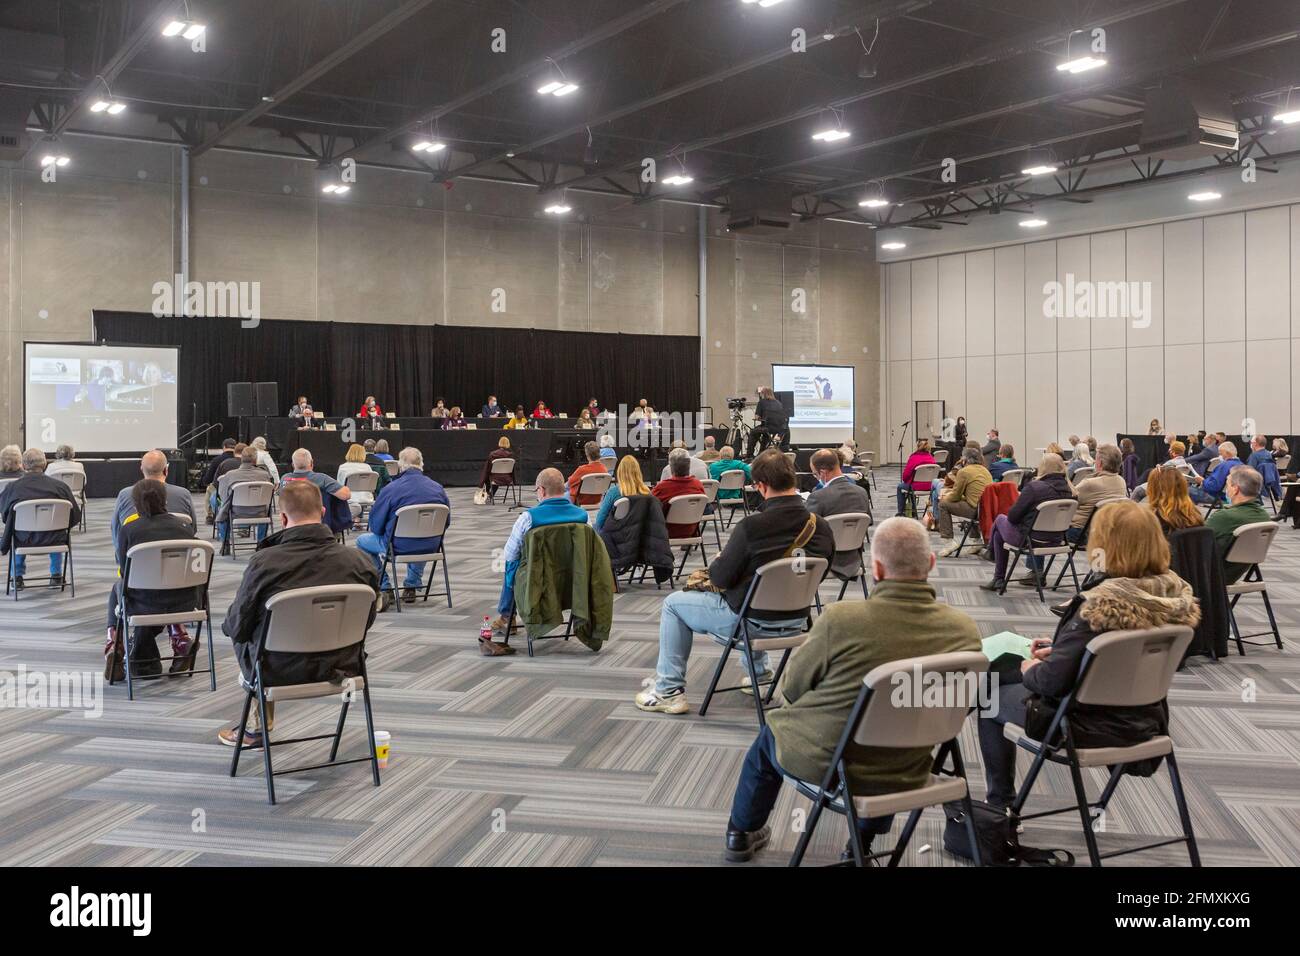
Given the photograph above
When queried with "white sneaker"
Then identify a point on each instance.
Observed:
(746, 685)
(950, 549)
(652, 701)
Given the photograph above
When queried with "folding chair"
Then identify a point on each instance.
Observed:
(967, 525)
(1082, 543)
(1250, 544)
(393, 467)
(1053, 517)
(420, 521)
(713, 517)
(76, 482)
(502, 468)
(875, 721)
(1014, 475)
(940, 455)
(786, 586)
(1283, 464)
(176, 565)
(594, 485)
(687, 509)
(733, 480)
(1087, 471)
(1119, 669)
(363, 482)
(924, 475)
(248, 494)
(850, 530)
(43, 515)
(311, 621)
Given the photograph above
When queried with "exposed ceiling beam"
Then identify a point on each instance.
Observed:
(878, 10)
(986, 56)
(149, 28)
(319, 69)
(602, 33)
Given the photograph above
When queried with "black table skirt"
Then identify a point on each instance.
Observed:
(1151, 451)
(104, 479)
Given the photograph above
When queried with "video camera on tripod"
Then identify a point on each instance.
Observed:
(737, 404)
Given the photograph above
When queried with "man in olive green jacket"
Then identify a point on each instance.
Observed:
(963, 498)
(1243, 488)
(902, 619)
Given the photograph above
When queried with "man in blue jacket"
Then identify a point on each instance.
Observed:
(1261, 459)
(1212, 485)
(1209, 451)
(410, 487)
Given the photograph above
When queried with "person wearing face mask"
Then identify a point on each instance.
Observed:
(370, 409)
(491, 409)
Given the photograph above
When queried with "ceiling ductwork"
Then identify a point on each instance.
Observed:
(1188, 121)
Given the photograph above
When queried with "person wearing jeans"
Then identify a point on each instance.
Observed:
(34, 484)
(782, 526)
(410, 487)
(1013, 527)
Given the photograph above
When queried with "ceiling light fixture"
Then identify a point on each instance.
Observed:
(1205, 196)
(558, 84)
(428, 146)
(875, 203)
(1032, 223)
(559, 209)
(867, 65)
(893, 246)
(678, 179)
(831, 135)
(1042, 169)
(53, 160)
(173, 28)
(762, 3)
(1080, 64)
(1293, 116)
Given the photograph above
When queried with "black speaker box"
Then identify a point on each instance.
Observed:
(239, 400)
(266, 398)
(787, 402)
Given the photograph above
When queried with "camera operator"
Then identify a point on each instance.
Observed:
(770, 423)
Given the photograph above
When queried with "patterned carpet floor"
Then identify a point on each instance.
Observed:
(545, 761)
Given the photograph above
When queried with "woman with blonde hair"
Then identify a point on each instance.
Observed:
(1169, 501)
(354, 463)
(1134, 590)
(628, 482)
(486, 480)
(1082, 458)
(11, 462)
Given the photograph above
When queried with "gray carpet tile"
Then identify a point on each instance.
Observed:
(545, 761)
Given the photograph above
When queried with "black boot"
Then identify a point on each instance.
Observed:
(743, 844)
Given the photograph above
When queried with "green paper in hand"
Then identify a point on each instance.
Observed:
(1006, 642)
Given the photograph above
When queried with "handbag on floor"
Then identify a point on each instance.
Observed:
(998, 842)
(481, 496)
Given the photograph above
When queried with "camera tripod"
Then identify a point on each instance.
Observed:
(738, 434)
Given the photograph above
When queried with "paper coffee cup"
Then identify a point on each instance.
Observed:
(383, 742)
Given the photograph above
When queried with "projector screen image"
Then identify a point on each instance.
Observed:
(823, 400)
(100, 398)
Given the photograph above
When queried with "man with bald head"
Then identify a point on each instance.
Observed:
(247, 471)
(153, 464)
(553, 507)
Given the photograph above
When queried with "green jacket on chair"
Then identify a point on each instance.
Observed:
(565, 567)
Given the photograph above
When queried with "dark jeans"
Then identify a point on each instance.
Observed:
(1000, 753)
(760, 782)
(1073, 535)
(761, 437)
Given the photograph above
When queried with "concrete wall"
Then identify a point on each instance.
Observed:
(400, 249)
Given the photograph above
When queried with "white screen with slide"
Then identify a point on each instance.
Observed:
(823, 401)
(99, 398)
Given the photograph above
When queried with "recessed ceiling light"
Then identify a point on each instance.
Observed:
(874, 203)
(891, 246)
(1205, 196)
(1041, 169)
(559, 209)
(831, 135)
(1080, 64)
(1032, 223)
(1290, 117)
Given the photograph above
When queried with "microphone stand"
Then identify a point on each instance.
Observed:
(902, 440)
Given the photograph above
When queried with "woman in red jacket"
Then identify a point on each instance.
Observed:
(370, 409)
(541, 411)
(919, 457)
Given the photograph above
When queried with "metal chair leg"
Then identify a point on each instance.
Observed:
(243, 728)
(266, 743)
(1180, 799)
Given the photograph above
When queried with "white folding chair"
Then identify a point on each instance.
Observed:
(923, 475)
(786, 587)
(311, 621)
(1081, 474)
(43, 515)
(876, 720)
(687, 509)
(1119, 669)
(420, 521)
(733, 480)
(1283, 464)
(362, 483)
(1250, 544)
(1082, 543)
(180, 564)
(1014, 475)
(940, 455)
(1053, 517)
(392, 466)
(501, 469)
(713, 517)
(249, 494)
(76, 482)
(850, 530)
(594, 485)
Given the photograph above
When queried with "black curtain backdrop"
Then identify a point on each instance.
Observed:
(408, 367)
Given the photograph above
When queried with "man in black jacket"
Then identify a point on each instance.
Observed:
(34, 484)
(303, 555)
(209, 480)
(768, 534)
